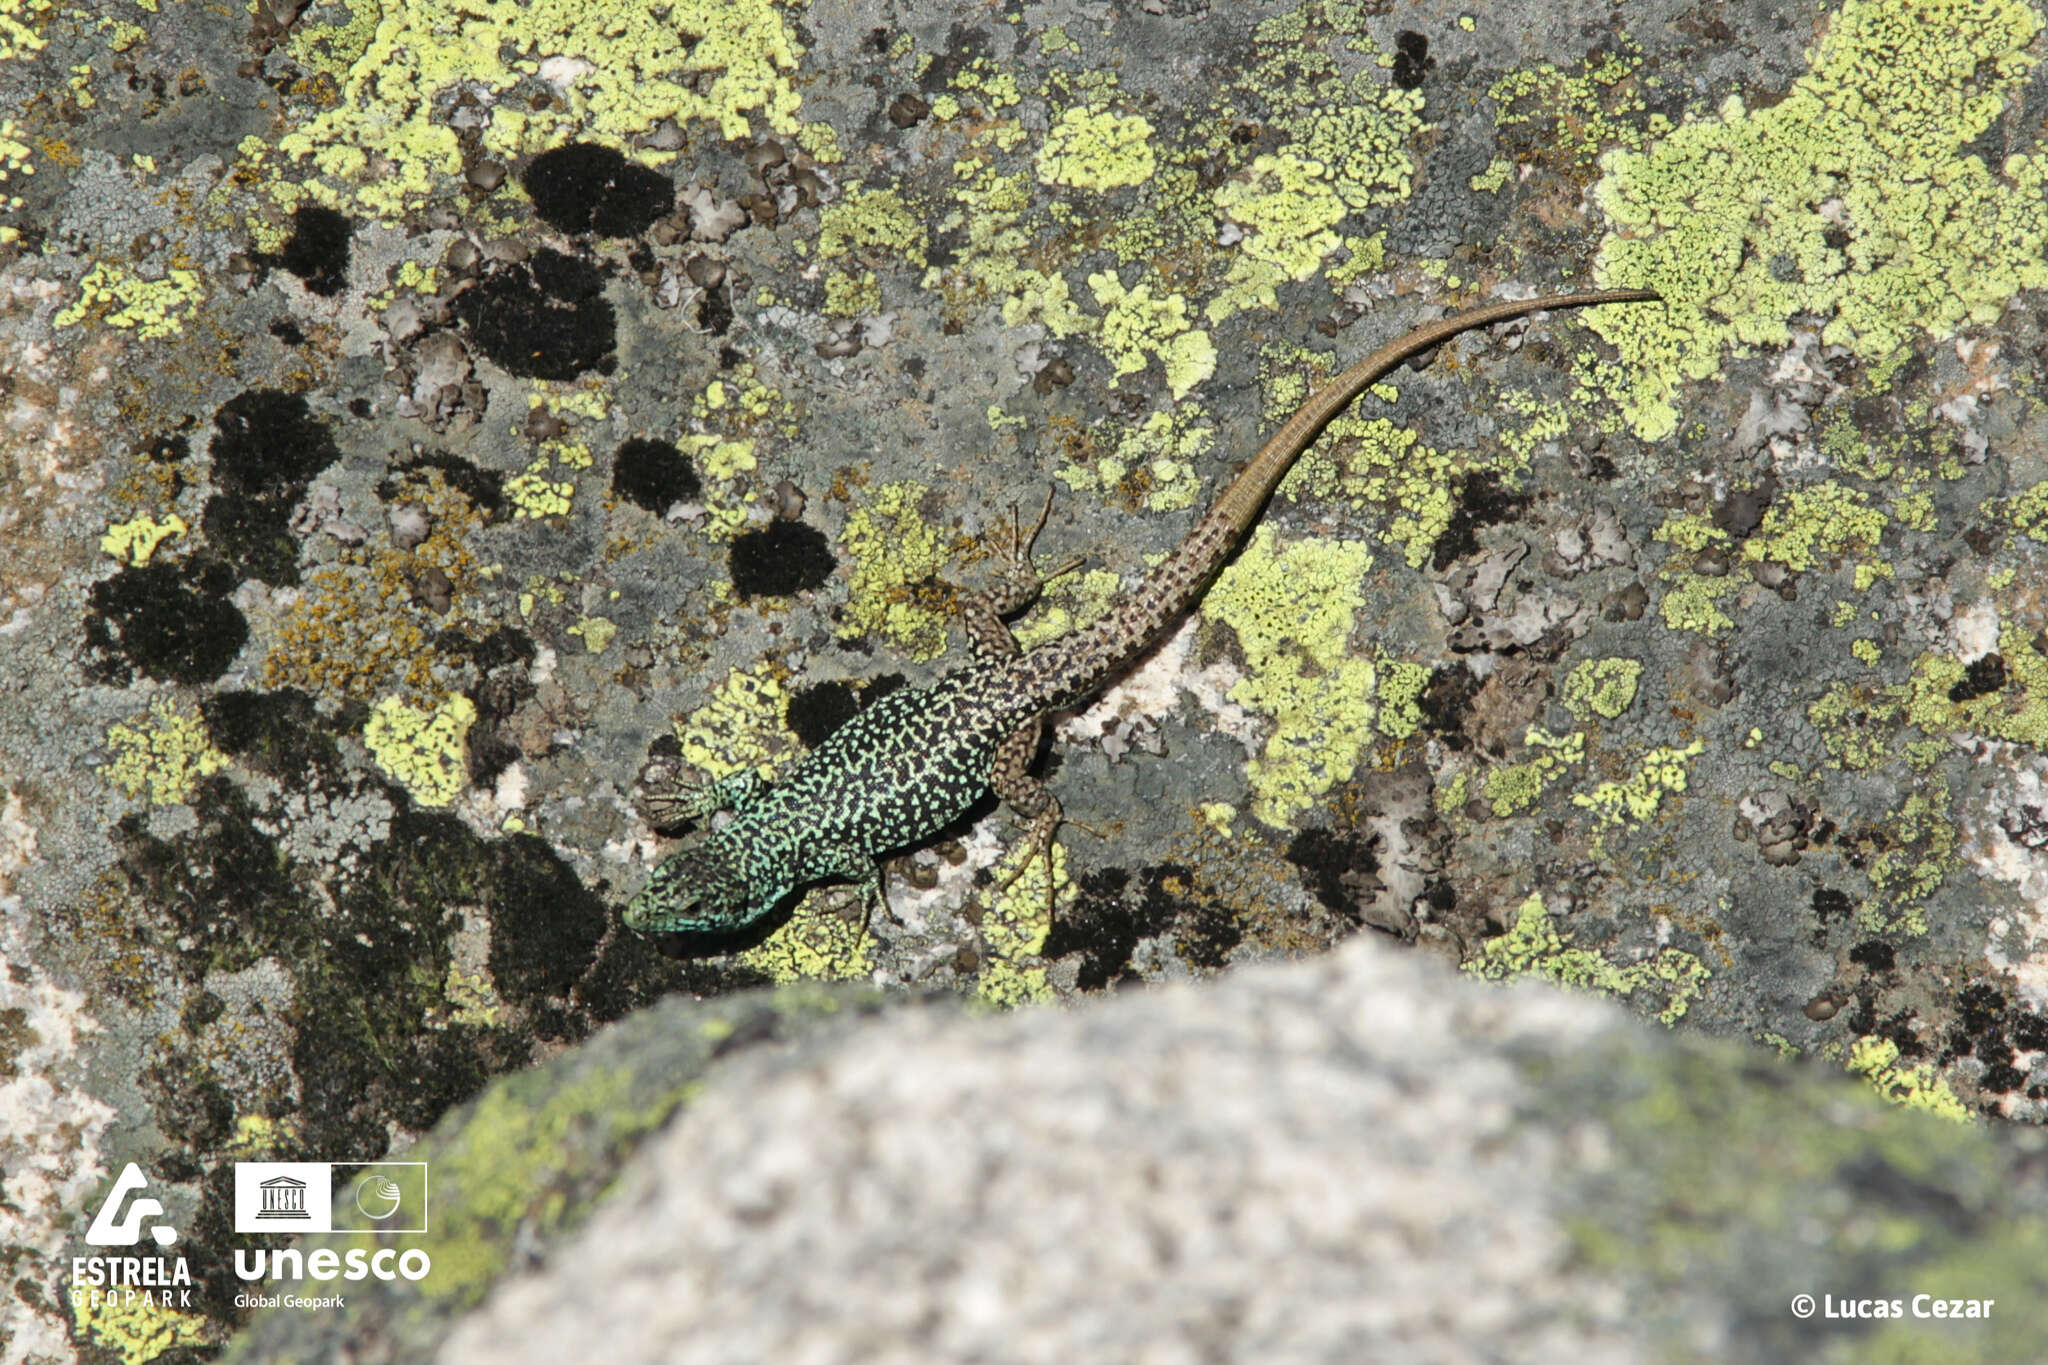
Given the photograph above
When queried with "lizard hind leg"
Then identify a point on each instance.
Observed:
(1012, 780)
(1016, 587)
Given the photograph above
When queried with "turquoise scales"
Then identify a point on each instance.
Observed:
(909, 765)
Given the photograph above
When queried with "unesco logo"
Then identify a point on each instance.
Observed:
(289, 1197)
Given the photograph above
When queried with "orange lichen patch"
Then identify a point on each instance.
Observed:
(362, 627)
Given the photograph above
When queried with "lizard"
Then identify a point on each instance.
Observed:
(906, 766)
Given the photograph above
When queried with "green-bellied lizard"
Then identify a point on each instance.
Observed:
(907, 766)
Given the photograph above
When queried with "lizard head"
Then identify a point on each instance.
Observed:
(699, 890)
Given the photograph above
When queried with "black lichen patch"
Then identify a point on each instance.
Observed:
(584, 187)
(1995, 1031)
(654, 475)
(1111, 916)
(287, 331)
(383, 1032)
(169, 448)
(267, 446)
(1830, 905)
(317, 251)
(1983, 677)
(168, 621)
(542, 319)
(1446, 704)
(1874, 955)
(815, 712)
(280, 734)
(1334, 867)
(780, 560)
(1411, 59)
(485, 488)
(1485, 502)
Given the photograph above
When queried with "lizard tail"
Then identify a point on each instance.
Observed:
(1241, 503)
(1067, 669)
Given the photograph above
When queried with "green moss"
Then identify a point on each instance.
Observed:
(425, 751)
(1292, 611)
(1853, 198)
(1601, 687)
(723, 62)
(1913, 1087)
(1532, 947)
(898, 557)
(1094, 149)
(163, 755)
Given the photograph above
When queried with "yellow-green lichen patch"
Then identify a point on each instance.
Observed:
(1914, 852)
(1153, 463)
(1858, 724)
(1601, 687)
(872, 225)
(897, 557)
(425, 751)
(1014, 926)
(385, 143)
(742, 726)
(1852, 198)
(1582, 112)
(18, 22)
(1637, 798)
(163, 754)
(1914, 1087)
(149, 308)
(1517, 786)
(1136, 327)
(1533, 947)
(2017, 710)
(135, 540)
(1095, 149)
(1385, 465)
(1292, 611)
(1345, 154)
(1401, 685)
(133, 1325)
(1075, 600)
(824, 940)
(358, 628)
(1808, 524)
(1693, 603)
(507, 1161)
(2028, 512)
(850, 296)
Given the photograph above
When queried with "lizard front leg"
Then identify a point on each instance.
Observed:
(673, 794)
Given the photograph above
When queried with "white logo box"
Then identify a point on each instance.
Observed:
(291, 1197)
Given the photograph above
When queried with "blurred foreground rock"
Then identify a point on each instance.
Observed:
(1357, 1158)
